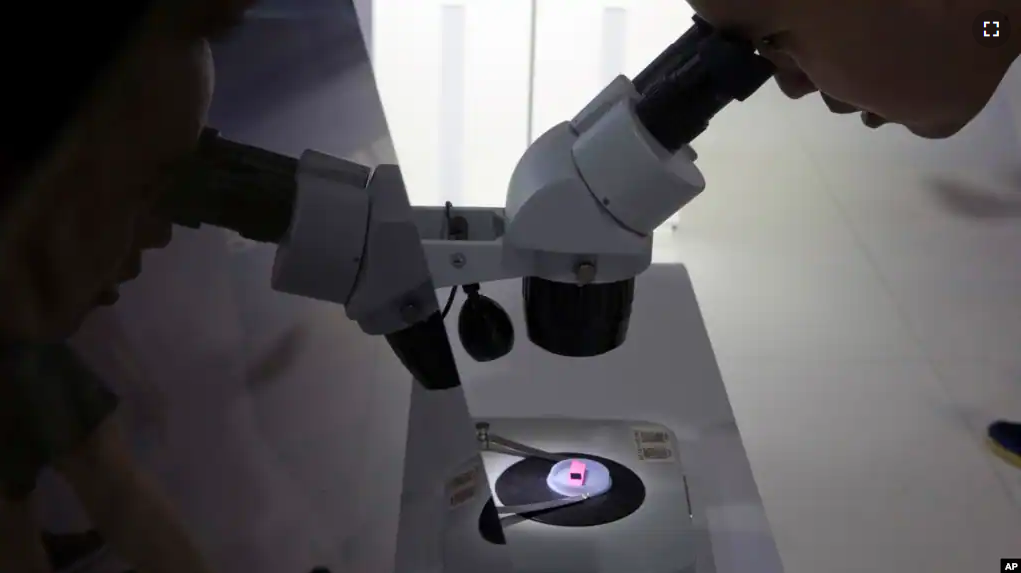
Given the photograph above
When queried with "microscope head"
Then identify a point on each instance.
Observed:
(582, 205)
(586, 197)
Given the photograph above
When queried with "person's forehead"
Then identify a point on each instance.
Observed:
(745, 17)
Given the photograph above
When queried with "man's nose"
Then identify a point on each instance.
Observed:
(794, 83)
(837, 106)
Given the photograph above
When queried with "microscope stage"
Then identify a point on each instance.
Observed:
(640, 523)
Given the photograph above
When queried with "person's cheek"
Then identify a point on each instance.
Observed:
(848, 81)
(186, 94)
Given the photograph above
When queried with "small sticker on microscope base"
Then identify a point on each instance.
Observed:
(654, 444)
(463, 487)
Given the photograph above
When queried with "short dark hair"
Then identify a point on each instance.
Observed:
(53, 55)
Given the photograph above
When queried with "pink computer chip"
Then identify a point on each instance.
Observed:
(576, 474)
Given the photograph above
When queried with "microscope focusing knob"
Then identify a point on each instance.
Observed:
(485, 329)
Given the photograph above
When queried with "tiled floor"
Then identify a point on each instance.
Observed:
(867, 327)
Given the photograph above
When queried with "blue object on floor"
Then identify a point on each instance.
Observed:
(1005, 441)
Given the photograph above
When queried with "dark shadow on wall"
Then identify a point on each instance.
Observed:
(289, 65)
(980, 202)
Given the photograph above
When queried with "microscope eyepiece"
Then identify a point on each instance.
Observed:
(695, 78)
(230, 185)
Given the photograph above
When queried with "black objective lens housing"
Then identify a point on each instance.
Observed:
(577, 321)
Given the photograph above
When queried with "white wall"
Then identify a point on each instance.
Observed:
(581, 45)
(454, 77)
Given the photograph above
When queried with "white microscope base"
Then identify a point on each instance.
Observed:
(666, 373)
(656, 538)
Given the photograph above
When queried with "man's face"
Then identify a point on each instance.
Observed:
(73, 232)
(911, 62)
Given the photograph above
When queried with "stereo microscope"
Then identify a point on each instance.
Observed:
(577, 228)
